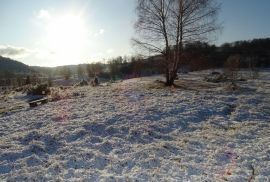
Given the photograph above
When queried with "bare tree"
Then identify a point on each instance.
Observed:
(66, 72)
(253, 70)
(94, 69)
(80, 71)
(114, 67)
(165, 26)
(232, 67)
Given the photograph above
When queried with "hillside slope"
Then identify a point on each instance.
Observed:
(12, 66)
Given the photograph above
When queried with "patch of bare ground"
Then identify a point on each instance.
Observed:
(185, 84)
(4, 110)
(157, 84)
(196, 84)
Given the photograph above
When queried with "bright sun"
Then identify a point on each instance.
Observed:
(66, 36)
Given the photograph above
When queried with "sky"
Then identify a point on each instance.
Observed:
(63, 32)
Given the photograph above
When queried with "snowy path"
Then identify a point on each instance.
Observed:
(125, 132)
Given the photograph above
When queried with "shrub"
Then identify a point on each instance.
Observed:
(55, 95)
(254, 73)
(215, 77)
(232, 67)
(41, 89)
(232, 87)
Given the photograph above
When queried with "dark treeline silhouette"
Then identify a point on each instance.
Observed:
(256, 52)
(197, 56)
(129, 67)
(200, 55)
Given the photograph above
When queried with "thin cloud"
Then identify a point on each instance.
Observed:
(109, 51)
(100, 32)
(44, 14)
(11, 51)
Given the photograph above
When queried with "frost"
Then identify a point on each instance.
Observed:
(128, 132)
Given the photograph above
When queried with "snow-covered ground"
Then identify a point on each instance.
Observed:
(130, 131)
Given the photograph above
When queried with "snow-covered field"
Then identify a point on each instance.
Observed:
(129, 131)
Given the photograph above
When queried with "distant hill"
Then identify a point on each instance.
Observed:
(45, 71)
(13, 67)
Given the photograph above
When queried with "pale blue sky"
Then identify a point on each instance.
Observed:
(244, 19)
(33, 31)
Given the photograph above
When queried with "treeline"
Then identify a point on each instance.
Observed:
(114, 69)
(121, 67)
(197, 56)
(255, 53)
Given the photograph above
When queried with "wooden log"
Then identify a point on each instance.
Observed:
(44, 101)
(36, 102)
(32, 104)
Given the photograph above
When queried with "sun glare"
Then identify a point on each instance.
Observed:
(66, 36)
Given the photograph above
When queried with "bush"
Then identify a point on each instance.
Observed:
(83, 83)
(41, 89)
(254, 73)
(55, 95)
(95, 82)
(215, 77)
(232, 67)
(232, 87)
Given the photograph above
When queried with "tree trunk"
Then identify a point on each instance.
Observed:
(170, 77)
(167, 75)
(170, 82)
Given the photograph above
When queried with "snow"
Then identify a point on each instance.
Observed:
(127, 131)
